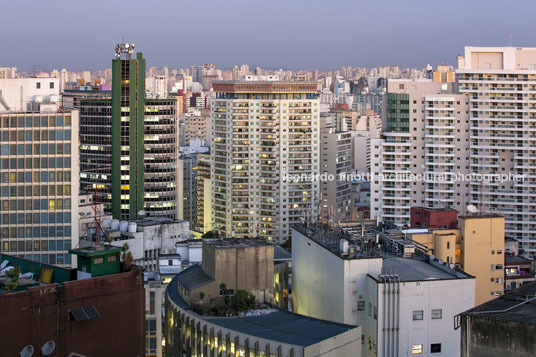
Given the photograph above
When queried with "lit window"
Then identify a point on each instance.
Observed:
(416, 349)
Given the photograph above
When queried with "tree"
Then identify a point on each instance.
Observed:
(243, 300)
(126, 257)
(13, 275)
(201, 295)
(209, 234)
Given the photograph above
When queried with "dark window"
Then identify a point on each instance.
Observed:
(38, 85)
(435, 348)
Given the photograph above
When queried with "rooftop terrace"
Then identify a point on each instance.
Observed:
(277, 325)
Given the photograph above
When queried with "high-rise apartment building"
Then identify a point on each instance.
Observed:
(204, 192)
(39, 185)
(264, 133)
(500, 83)
(187, 188)
(335, 188)
(425, 134)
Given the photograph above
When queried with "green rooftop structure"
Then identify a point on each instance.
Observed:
(98, 260)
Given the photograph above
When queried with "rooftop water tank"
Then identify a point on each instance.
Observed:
(38, 98)
(123, 226)
(107, 223)
(54, 98)
(115, 224)
(132, 227)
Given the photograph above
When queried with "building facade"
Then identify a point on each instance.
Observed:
(39, 185)
(143, 161)
(425, 134)
(499, 83)
(263, 132)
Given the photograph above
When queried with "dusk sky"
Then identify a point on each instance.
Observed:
(307, 34)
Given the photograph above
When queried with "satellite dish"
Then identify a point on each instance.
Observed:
(27, 351)
(472, 209)
(142, 213)
(48, 348)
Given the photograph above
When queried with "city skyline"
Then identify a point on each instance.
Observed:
(309, 35)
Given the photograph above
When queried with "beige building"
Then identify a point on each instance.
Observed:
(196, 126)
(245, 264)
(477, 247)
(264, 153)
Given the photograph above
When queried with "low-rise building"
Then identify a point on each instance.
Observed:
(477, 247)
(409, 307)
(53, 310)
(358, 275)
(147, 238)
(504, 326)
(203, 316)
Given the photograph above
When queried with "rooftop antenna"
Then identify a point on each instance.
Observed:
(510, 39)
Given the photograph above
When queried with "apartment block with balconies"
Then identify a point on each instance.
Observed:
(264, 132)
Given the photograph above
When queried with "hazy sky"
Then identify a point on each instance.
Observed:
(322, 34)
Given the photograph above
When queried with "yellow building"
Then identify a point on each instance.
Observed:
(477, 246)
(444, 74)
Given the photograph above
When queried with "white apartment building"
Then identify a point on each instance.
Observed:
(335, 190)
(21, 94)
(263, 132)
(500, 83)
(425, 133)
(404, 306)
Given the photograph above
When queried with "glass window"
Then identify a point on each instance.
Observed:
(59, 134)
(418, 314)
(416, 349)
(437, 314)
(435, 348)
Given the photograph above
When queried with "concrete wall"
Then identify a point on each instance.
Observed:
(248, 268)
(483, 336)
(326, 286)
